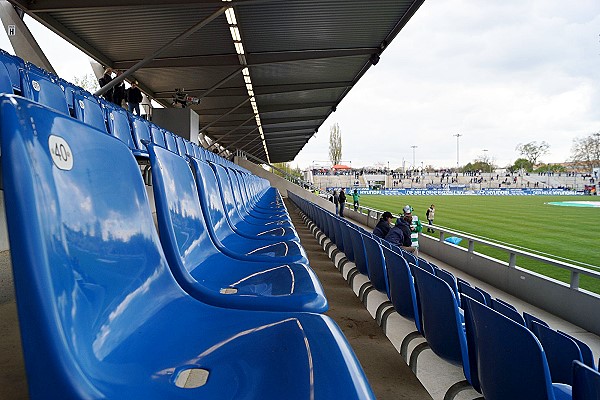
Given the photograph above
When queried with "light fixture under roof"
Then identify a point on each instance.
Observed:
(234, 30)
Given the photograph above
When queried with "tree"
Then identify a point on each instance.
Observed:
(586, 151)
(335, 144)
(88, 82)
(521, 163)
(533, 151)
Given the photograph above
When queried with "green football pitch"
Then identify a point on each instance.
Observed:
(570, 234)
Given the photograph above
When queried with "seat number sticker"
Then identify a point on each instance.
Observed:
(35, 85)
(60, 152)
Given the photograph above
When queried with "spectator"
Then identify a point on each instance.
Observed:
(400, 234)
(342, 198)
(336, 202)
(119, 92)
(133, 95)
(105, 80)
(430, 214)
(384, 225)
(415, 225)
(355, 197)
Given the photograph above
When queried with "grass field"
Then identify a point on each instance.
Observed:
(571, 234)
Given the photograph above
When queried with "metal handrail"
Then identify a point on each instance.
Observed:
(575, 270)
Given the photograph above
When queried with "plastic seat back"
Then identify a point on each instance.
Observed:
(442, 322)
(90, 264)
(402, 289)
(529, 318)
(170, 142)
(376, 264)
(42, 88)
(470, 291)
(586, 352)
(511, 363)
(586, 382)
(560, 351)
(348, 248)
(158, 135)
(449, 279)
(507, 311)
(14, 68)
(358, 247)
(181, 150)
(69, 90)
(5, 80)
(118, 124)
(140, 129)
(87, 109)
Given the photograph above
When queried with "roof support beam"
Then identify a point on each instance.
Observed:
(250, 142)
(266, 89)
(239, 140)
(224, 115)
(221, 82)
(152, 56)
(254, 59)
(217, 140)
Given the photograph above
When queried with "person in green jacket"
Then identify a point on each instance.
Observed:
(355, 197)
(415, 226)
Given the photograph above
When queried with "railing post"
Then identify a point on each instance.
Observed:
(471, 246)
(512, 260)
(574, 280)
(442, 236)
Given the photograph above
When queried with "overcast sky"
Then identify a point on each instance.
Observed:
(499, 72)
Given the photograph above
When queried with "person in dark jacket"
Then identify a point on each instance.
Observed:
(105, 80)
(384, 225)
(119, 92)
(342, 201)
(400, 234)
(133, 95)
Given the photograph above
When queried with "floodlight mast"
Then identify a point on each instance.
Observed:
(458, 135)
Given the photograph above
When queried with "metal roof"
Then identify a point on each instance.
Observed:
(303, 56)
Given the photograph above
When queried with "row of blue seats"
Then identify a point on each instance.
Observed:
(504, 355)
(219, 303)
(43, 87)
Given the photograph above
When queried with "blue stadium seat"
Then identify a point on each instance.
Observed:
(87, 109)
(450, 280)
(511, 363)
(250, 225)
(158, 135)
(118, 124)
(586, 382)
(140, 130)
(358, 247)
(443, 325)
(507, 311)
(560, 351)
(170, 142)
(42, 88)
(586, 352)
(14, 66)
(376, 264)
(5, 79)
(69, 90)
(206, 273)
(529, 318)
(101, 316)
(181, 150)
(470, 291)
(236, 246)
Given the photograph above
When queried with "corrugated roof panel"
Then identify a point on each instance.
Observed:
(314, 24)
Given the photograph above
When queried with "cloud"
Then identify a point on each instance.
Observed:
(505, 73)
